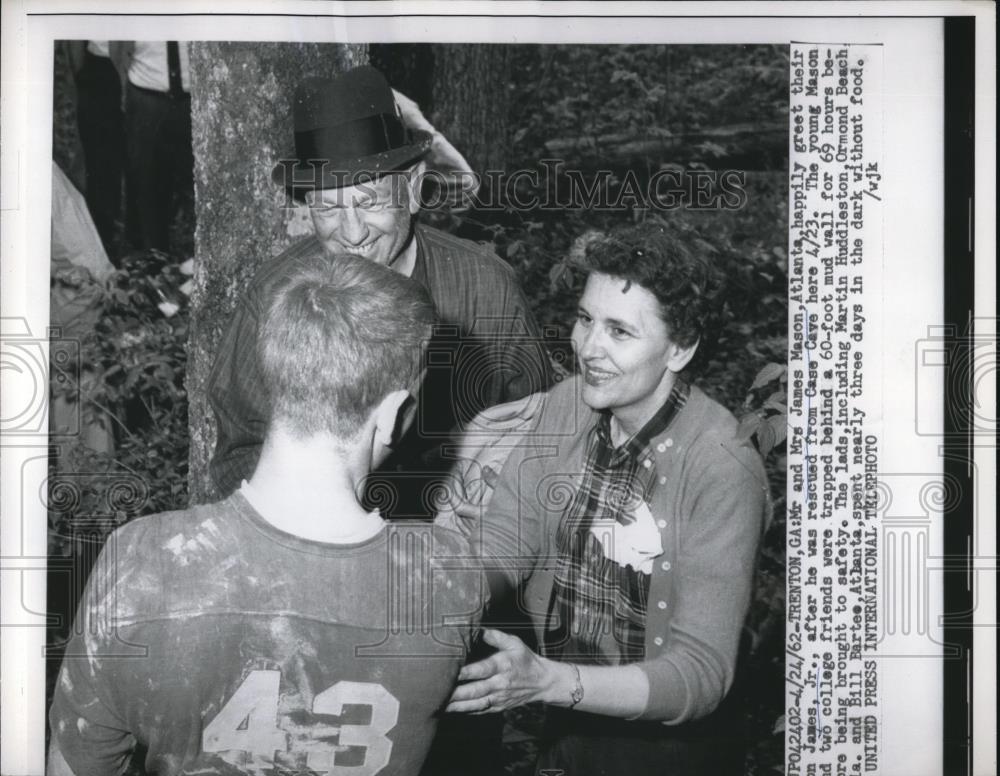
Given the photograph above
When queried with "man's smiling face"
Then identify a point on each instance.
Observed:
(371, 220)
(628, 360)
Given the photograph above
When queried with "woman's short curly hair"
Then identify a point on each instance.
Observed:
(656, 257)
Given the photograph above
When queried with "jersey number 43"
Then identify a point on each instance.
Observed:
(248, 723)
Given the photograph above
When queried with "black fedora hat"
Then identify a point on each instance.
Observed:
(348, 130)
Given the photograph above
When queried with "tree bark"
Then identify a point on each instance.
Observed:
(408, 67)
(464, 89)
(471, 100)
(241, 124)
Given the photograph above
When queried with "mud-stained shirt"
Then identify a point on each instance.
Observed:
(218, 644)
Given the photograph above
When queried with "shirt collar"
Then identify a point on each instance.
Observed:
(656, 425)
(408, 257)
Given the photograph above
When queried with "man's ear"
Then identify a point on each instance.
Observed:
(680, 357)
(390, 417)
(414, 182)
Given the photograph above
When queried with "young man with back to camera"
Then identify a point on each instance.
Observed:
(285, 628)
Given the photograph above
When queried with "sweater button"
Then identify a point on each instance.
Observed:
(661, 604)
(665, 565)
(658, 641)
(663, 480)
(661, 523)
(661, 447)
(669, 443)
(647, 463)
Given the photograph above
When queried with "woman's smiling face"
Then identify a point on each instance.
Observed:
(627, 358)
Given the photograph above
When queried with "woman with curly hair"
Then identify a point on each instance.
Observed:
(628, 520)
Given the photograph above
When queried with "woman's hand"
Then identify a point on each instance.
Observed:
(512, 677)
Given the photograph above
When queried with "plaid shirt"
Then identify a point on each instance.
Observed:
(597, 612)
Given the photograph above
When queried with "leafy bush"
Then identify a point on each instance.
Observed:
(135, 360)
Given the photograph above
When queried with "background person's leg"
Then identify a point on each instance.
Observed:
(102, 134)
(148, 191)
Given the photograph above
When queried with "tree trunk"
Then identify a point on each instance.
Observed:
(408, 67)
(462, 88)
(241, 124)
(471, 100)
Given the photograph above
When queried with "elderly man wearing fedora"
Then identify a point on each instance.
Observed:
(358, 168)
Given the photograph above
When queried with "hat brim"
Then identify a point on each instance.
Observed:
(299, 176)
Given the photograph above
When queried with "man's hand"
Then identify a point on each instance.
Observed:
(411, 114)
(512, 677)
(443, 156)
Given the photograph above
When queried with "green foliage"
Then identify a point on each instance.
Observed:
(768, 423)
(566, 91)
(135, 358)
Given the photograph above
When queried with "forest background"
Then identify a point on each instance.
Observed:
(616, 116)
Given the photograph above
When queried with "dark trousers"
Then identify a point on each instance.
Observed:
(102, 135)
(580, 744)
(160, 163)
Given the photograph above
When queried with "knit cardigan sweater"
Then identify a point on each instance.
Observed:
(711, 505)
